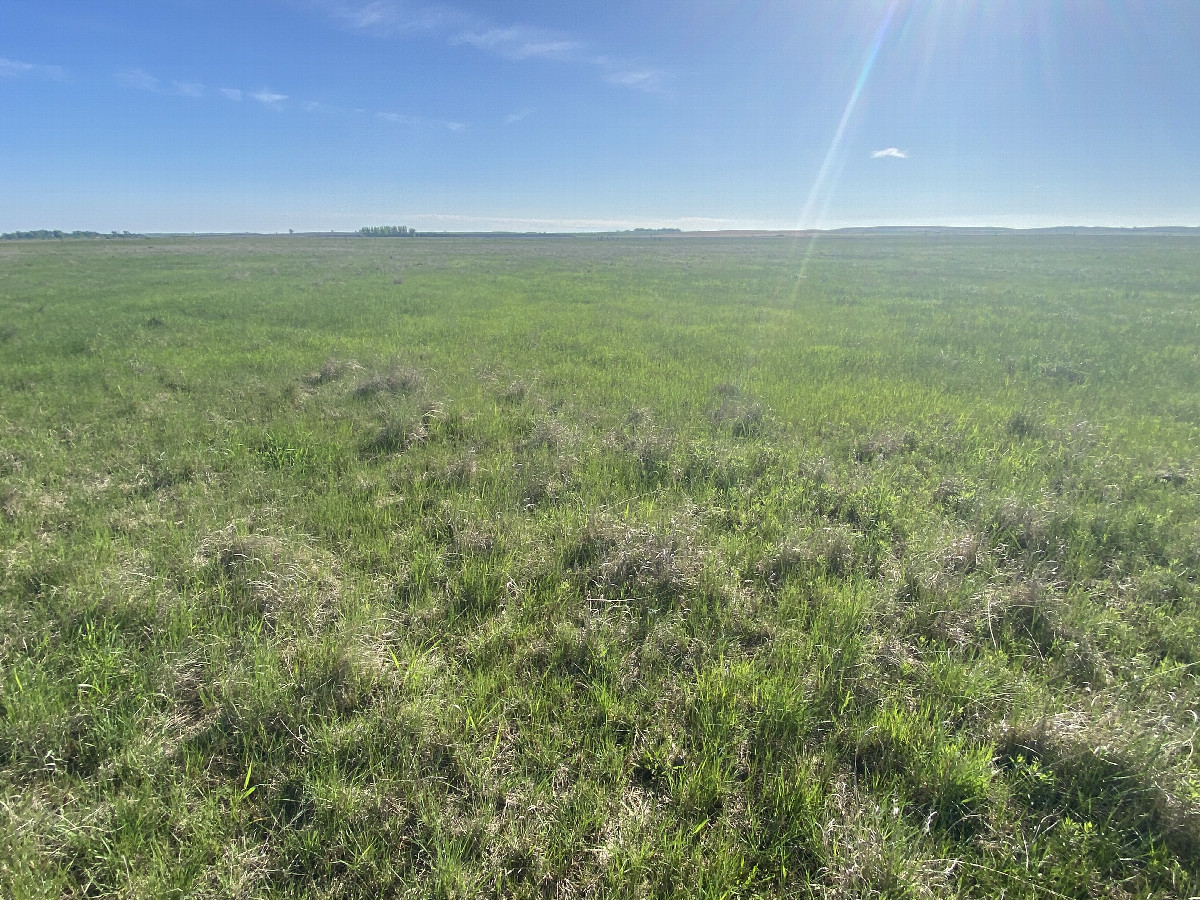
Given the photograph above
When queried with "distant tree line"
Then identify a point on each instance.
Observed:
(656, 231)
(388, 231)
(43, 234)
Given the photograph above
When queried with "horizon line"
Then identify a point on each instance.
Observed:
(637, 231)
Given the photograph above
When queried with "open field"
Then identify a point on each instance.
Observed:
(579, 567)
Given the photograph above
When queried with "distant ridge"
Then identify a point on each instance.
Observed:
(963, 230)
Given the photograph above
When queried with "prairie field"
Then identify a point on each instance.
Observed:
(616, 567)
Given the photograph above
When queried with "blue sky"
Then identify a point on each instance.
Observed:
(264, 115)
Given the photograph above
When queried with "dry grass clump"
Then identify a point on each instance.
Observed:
(622, 561)
(10, 463)
(547, 433)
(403, 380)
(1079, 766)
(544, 486)
(1022, 611)
(1071, 374)
(884, 445)
(835, 550)
(965, 554)
(514, 392)
(432, 423)
(398, 435)
(650, 445)
(929, 581)
(332, 370)
(868, 849)
(285, 582)
(473, 539)
(1020, 529)
(461, 471)
(1023, 425)
(1022, 615)
(443, 424)
(10, 504)
(736, 412)
(1177, 475)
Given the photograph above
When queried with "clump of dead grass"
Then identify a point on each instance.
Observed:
(400, 379)
(867, 849)
(738, 413)
(837, 551)
(514, 392)
(10, 503)
(332, 370)
(625, 561)
(884, 445)
(650, 446)
(548, 433)
(283, 581)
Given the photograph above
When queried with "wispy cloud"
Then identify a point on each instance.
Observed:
(418, 122)
(398, 118)
(15, 68)
(272, 99)
(268, 97)
(889, 151)
(514, 118)
(136, 78)
(144, 81)
(652, 81)
(517, 42)
(387, 17)
(514, 42)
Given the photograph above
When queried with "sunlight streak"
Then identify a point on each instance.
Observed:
(819, 192)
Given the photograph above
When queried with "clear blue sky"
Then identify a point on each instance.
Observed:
(264, 115)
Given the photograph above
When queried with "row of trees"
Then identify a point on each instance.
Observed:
(43, 234)
(388, 231)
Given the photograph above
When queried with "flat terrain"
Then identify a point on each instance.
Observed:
(699, 567)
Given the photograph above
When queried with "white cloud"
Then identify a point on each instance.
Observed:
(513, 118)
(512, 42)
(387, 17)
(233, 94)
(518, 42)
(397, 118)
(268, 97)
(136, 78)
(144, 81)
(890, 151)
(648, 80)
(11, 68)
(188, 88)
(14, 68)
(417, 121)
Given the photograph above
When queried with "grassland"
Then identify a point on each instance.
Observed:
(580, 567)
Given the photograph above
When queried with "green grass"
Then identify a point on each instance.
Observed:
(646, 567)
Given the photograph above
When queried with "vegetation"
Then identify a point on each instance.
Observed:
(43, 234)
(387, 231)
(694, 567)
